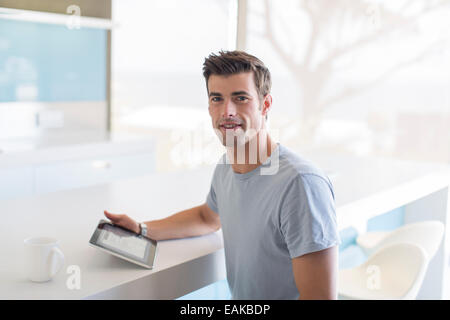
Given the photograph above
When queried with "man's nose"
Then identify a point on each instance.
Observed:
(229, 109)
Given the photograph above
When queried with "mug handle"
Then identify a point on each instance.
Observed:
(56, 261)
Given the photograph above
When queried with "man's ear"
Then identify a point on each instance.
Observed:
(267, 104)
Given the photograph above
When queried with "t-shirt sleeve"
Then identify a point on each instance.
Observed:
(211, 199)
(308, 215)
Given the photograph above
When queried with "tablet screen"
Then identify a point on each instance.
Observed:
(124, 243)
(119, 240)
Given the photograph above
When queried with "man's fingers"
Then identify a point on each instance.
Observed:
(111, 216)
(122, 220)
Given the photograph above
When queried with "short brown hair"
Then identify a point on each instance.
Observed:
(233, 62)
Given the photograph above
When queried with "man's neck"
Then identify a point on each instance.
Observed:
(264, 148)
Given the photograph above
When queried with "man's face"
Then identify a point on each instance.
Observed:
(235, 107)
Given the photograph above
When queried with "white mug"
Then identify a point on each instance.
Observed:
(43, 258)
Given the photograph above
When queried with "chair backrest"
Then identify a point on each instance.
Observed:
(427, 234)
(401, 267)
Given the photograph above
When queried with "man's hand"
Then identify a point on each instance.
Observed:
(123, 220)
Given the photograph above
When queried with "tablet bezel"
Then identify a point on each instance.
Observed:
(149, 264)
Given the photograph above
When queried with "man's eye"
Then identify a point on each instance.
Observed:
(242, 98)
(215, 99)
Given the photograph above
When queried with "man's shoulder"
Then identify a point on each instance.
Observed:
(303, 175)
(297, 166)
(292, 166)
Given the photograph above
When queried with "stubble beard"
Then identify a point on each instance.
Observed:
(241, 142)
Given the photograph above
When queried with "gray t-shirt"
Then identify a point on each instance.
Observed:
(268, 218)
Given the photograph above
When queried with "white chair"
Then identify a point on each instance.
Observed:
(393, 272)
(427, 234)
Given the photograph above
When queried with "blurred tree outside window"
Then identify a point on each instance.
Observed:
(359, 77)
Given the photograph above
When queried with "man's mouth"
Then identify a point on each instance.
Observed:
(230, 126)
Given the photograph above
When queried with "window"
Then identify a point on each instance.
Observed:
(158, 49)
(365, 78)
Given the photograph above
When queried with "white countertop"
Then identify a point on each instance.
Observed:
(71, 216)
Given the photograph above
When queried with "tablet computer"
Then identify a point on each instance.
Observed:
(124, 244)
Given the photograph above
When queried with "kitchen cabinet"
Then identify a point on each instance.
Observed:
(41, 169)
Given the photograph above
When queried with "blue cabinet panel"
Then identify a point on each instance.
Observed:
(49, 62)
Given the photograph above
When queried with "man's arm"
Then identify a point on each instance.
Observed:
(192, 222)
(316, 274)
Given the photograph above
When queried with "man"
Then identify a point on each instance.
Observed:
(279, 226)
